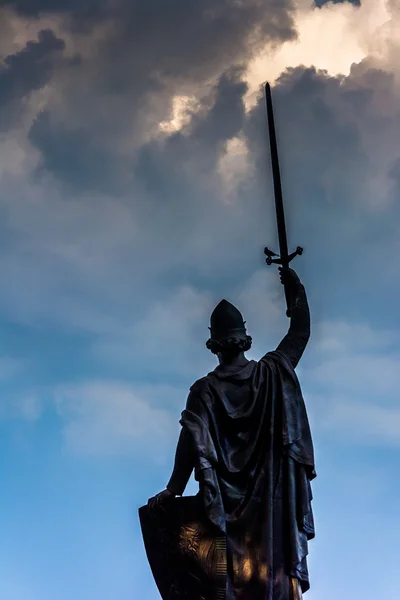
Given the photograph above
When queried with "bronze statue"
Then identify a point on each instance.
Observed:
(246, 435)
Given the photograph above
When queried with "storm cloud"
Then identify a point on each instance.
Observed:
(26, 71)
(339, 162)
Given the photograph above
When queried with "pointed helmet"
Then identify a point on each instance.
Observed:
(227, 322)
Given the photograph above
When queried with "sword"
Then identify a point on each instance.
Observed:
(284, 258)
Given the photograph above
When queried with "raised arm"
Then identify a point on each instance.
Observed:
(295, 341)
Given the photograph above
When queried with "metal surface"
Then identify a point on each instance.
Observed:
(284, 258)
(186, 554)
(296, 590)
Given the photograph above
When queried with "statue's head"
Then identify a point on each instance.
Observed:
(228, 331)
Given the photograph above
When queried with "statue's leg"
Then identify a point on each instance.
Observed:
(296, 590)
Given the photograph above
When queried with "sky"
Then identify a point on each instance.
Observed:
(135, 193)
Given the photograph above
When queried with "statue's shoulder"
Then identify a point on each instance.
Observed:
(199, 392)
(271, 358)
(201, 385)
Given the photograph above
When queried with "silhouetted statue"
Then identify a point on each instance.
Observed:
(245, 432)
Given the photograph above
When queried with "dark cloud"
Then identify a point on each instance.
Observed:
(328, 174)
(334, 141)
(188, 24)
(159, 164)
(72, 157)
(394, 174)
(167, 218)
(75, 159)
(315, 132)
(226, 117)
(35, 8)
(153, 51)
(328, 168)
(185, 33)
(27, 71)
(320, 3)
(180, 33)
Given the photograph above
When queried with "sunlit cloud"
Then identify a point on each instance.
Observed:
(331, 38)
(182, 109)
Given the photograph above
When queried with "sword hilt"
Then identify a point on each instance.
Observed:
(281, 261)
(285, 263)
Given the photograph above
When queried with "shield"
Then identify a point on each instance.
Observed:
(186, 553)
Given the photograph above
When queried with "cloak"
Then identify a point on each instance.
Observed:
(254, 461)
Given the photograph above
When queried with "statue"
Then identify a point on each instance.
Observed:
(245, 433)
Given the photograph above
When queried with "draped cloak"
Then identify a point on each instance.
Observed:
(254, 461)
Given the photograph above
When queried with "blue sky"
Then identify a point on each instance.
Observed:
(136, 193)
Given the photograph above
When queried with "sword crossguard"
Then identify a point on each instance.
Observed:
(278, 261)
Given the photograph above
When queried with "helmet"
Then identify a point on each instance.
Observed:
(227, 322)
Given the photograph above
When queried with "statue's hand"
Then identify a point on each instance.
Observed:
(288, 277)
(160, 499)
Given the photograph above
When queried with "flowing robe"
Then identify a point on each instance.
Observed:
(245, 432)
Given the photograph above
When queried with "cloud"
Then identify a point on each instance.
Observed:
(99, 105)
(352, 382)
(349, 378)
(18, 400)
(26, 71)
(25, 405)
(365, 424)
(167, 341)
(108, 417)
(115, 237)
(9, 367)
(321, 3)
(103, 418)
(94, 261)
(76, 160)
(79, 159)
(37, 8)
(341, 337)
(29, 406)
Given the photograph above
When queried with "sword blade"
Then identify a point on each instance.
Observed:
(280, 214)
